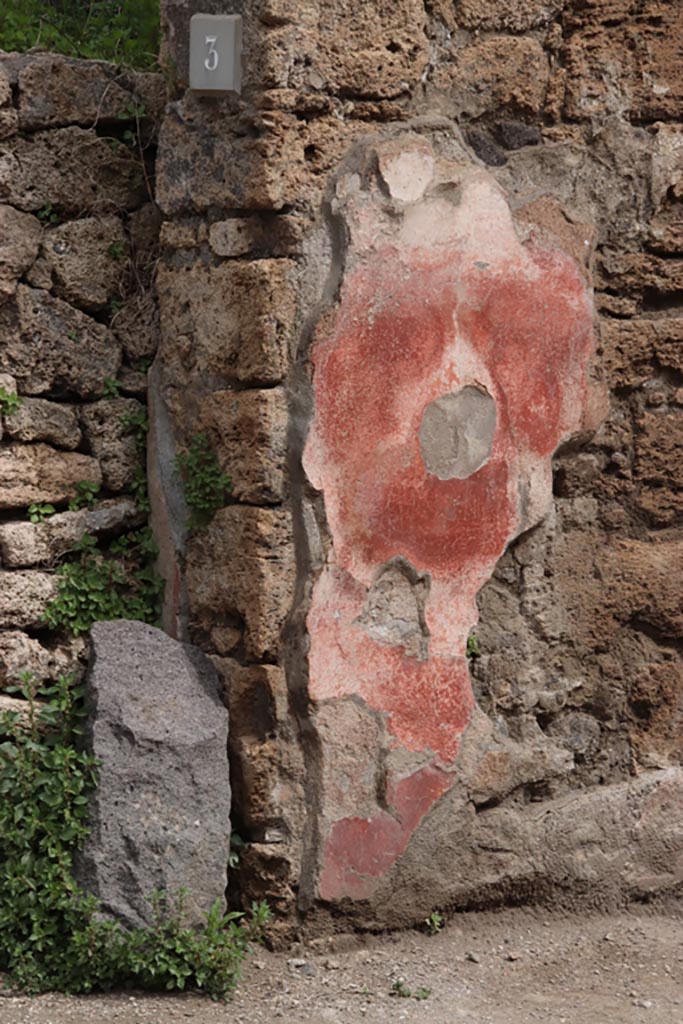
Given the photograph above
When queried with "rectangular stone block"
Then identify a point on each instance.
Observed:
(210, 157)
(231, 322)
(243, 563)
(248, 430)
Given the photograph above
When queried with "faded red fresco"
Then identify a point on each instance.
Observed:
(416, 322)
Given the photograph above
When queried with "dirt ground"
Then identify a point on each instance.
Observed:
(511, 967)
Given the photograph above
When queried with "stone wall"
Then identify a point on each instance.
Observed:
(78, 326)
(319, 290)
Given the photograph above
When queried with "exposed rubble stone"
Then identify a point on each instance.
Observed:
(87, 259)
(49, 346)
(24, 597)
(110, 429)
(71, 169)
(54, 91)
(38, 473)
(19, 243)
(39, 420)
(21, 653)
(28, 544)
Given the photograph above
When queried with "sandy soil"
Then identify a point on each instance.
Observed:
(512, 967)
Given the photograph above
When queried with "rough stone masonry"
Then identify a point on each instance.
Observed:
(421, 284)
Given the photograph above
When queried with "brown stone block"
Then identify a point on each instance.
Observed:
(243, 564)
(267, 764)
(658, 465)
(633, 66)
(73, 169)
(38, 420)
(36, 472)
(630, 346)
(210, 157)
(506, 15)
(248, 430)
(234, 321)
(113, 439)
(652, 277)
(49, 346)
(493, 73)
(55, 90)
(641, 581)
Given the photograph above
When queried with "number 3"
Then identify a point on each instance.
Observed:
(211, 61)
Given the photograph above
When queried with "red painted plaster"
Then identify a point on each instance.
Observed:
(412, 325)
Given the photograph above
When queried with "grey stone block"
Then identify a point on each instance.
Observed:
(160, 816)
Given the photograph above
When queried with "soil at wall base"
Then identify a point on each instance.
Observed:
(511, 967)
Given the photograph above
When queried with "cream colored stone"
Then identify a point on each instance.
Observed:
(36, 472)
(26, 544)
(39, 420)
(24, 597)
(21, 653)
(406, 166)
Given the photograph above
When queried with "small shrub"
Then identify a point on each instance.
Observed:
(97, 587)
(51, 934)
(206, 485)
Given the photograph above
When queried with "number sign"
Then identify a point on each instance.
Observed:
(215, 53)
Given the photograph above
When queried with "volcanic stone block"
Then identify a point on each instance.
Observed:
(161, 813)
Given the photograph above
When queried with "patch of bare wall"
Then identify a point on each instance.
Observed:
(565, 782)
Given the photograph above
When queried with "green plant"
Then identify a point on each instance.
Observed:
(138, 424)
(400, 989)
(206, 485)
(48, 214)
(39, 511)
(115, 251)
(435, 922)
(10, 402)
(123, 31)
(72, 334)
(111, 388)
(51, 933)
(472, 649)
(85, 496)
(140, 491)
(96, 586)
(236, 844)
